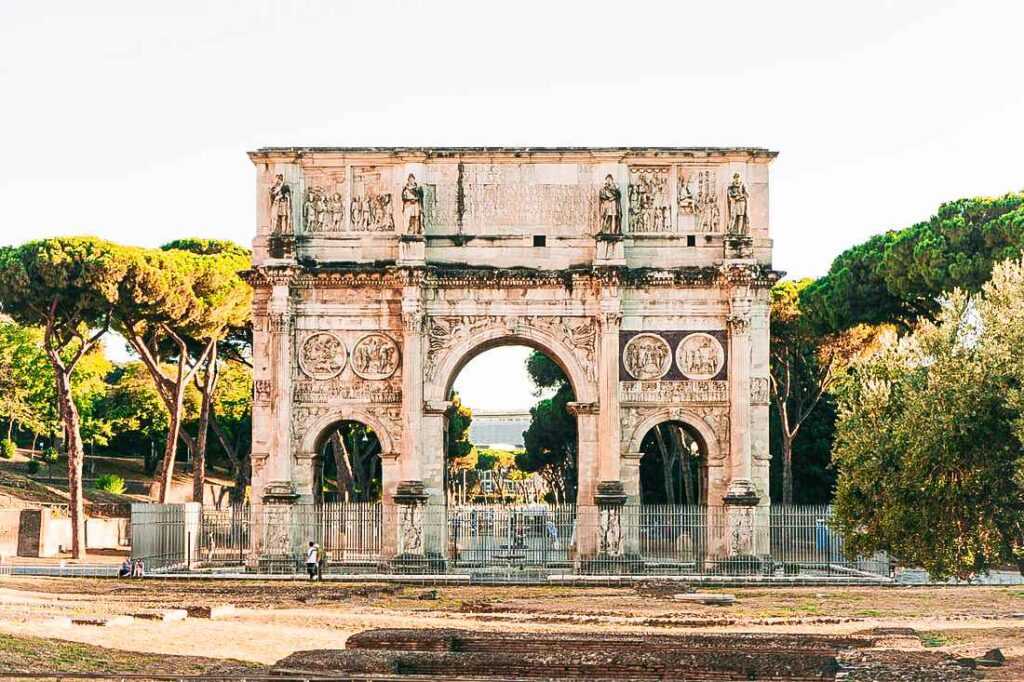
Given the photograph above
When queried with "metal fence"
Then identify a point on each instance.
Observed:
(161, 536)
(502, 542)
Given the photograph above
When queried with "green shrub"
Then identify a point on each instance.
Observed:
(7, 449)
(110, 483)
(50, 455)
(34, 465)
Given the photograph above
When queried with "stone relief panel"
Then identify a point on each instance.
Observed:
(700, 356)
(579, 334)
(371, 208)
(759, 391)
(322, 355)
(323, 205)
(261, 390)
(692, 356)
(375, 357)
(647, 357)
(649, 202)
(706, 206)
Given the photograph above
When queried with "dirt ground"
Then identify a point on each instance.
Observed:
(274, 619)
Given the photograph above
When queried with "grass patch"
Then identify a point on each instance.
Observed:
(933, 639)
(36, 654)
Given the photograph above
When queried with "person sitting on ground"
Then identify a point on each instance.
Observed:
(311, 560)
(126, 568)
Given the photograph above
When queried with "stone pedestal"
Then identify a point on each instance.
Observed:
(416, 551)
(612, 557)
(610, 250)
(739, 246)
(412, 250)
(741, 504)
(282, 245)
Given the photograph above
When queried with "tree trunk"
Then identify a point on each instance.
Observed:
(680, 445)
(76, 456)
(10, 429)
(787, 469)
(199, 462)
(342, 466)
(667, 460)
(166, 476)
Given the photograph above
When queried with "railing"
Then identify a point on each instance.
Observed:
(496, 540)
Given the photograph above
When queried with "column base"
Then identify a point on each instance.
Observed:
(739, 246)
(741, 493)
(279, 492)
(410, 497)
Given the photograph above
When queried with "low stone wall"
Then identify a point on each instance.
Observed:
(38, 533)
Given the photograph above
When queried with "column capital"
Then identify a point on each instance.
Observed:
(581, 409)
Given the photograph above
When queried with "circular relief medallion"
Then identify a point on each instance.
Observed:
(375, 356)
(700, 356)
(323, 355)
(647, 357)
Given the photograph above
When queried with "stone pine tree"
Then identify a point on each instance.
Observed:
(227, 301)
(69, 287)
(189, 301)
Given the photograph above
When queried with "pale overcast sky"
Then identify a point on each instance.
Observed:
(130, 120)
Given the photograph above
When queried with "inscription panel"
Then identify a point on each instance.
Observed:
(478, 198)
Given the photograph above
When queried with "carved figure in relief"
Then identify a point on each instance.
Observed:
(412, 205)
(648, 200)
(708, 212)
(375, 357)
(372, 213)
(684, 197)
(739, 223)
(647, 357)
(323, 355)
(336, 209)
(700, 356)
(611, 215)
(280, 206)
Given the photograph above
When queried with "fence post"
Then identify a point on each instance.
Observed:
(192, 516)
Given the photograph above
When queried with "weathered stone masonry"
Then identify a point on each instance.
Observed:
(644, 273)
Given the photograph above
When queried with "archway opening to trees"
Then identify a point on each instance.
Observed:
(674, 465)
(510, 437)
(347, 467)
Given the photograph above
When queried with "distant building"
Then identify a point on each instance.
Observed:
(499, 429)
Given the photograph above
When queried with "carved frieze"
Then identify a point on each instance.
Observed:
(578, 333)
(322, 355)
(649, 205)
(668, 392)
(700, 356)
(345, 389)
(647, 357)
(375, 357)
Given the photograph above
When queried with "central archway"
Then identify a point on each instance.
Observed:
(580, 376)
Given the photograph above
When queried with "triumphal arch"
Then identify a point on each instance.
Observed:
(643, 272)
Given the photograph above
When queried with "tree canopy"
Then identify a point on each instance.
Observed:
(930, 438)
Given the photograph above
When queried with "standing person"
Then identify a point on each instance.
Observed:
(311, 561)
(321, 562)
